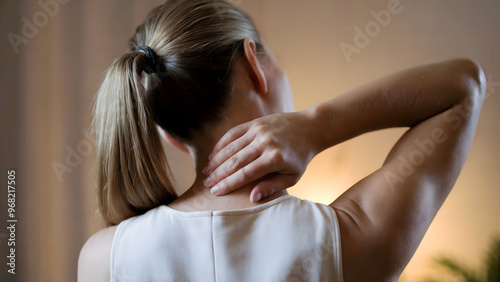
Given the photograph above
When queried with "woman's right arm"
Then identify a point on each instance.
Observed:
(383, 217)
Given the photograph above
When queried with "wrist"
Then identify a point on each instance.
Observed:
(313, 129)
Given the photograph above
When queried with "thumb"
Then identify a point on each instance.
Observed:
(271, 186)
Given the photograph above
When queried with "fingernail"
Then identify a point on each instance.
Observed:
(215, 189)
(257, 197)
(205, 170)
(207, 181)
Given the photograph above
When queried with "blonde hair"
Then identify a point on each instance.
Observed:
(195, 42)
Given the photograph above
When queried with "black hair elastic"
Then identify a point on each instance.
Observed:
(151, 67)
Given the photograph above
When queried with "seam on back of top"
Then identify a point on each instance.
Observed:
(213, 243)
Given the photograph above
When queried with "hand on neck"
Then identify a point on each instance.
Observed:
(198, 196)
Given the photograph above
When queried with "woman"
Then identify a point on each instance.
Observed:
(198, 75)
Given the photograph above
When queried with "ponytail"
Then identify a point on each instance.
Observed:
(133, 173)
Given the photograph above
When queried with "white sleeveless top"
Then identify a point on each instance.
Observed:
(285, 239)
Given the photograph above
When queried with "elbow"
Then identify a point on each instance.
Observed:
(472, 78)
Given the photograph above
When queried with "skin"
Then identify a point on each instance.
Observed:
(264, 147)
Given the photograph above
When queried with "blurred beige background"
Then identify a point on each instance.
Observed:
(53, 57)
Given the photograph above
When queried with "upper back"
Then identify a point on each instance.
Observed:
(286, 239)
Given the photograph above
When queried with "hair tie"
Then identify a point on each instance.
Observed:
(151, 66)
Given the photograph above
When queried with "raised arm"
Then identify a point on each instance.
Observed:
(384, 217)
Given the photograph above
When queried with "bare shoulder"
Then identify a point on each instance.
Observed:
(93, 263)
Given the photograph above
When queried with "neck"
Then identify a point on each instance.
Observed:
(198, 196)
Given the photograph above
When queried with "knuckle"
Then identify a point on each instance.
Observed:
(214, 163)
(259, 123)
(231, 148)
(214, 176)
(244, 175)
(231, 133)
(260, 146)
(267, 139)
(261, 127)
(218, 145)
(276, 157)
(234, 162)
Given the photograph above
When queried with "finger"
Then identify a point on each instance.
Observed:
(232, 134)
(271, 186)
(227, 152)
(253, 171)
(233, 164)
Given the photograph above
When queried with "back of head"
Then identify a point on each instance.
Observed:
(194, 44)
